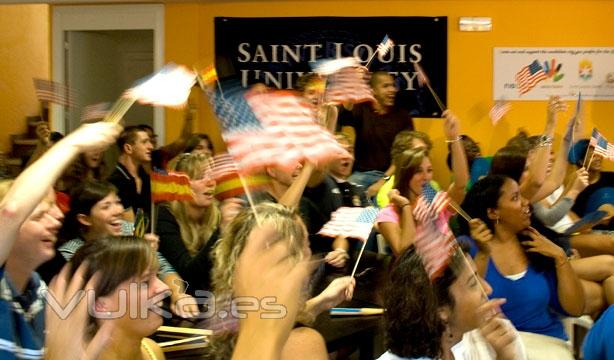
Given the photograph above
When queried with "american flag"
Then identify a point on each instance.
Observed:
(54, 92)
(348, 85)
(498, 111)
(330, 66)
(601, 144)
(385, 46)
(222, 165)
(245, 137)
(431, 207)
(434, 247)
(293, 131)
(170, 87)
(95, 112)
(529, 76)
(351, 222)
(272, 128)
(434, 240)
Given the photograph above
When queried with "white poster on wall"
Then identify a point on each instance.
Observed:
(536, 73)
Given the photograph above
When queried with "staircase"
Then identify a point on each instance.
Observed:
(22, 147)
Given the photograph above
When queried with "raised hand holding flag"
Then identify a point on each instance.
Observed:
(351, 222)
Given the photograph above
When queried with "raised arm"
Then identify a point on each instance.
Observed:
(541, 154)
(460, 168)
(35, 181)
(293, 195)
(559, 169)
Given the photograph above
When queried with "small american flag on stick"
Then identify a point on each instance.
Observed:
(435, 248)
(434, 240)
(601, 144)
(499, 110)
(385, 46)
(54, 92)
(348, 85)
(351, 222)
(95, 112)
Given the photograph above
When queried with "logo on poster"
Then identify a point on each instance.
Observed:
(553, 70)
(585, 69)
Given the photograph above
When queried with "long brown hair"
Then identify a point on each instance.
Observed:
(408, 163)
(116, 259)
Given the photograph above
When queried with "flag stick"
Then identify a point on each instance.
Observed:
(459, 249)
(586, 155)
(362, 249)
(371, 58)
(249, 199)
(153, 217)
(590, 161)
(459, 210)
(442, 107)
(119, 109)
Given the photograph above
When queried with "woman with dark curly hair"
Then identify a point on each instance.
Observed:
(523, 266)
(449, 318)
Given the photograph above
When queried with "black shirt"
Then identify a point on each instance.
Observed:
(374, 134)
(126, 187)
(195, 270)
(318, 203)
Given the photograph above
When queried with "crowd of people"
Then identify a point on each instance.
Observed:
(70, 220)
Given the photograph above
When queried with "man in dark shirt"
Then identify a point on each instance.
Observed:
(129, 176)
(323, 196)
(376, 124)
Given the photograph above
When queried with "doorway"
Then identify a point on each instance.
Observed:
(100, 65)
(99, 51)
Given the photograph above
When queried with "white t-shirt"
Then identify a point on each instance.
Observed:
(473, 346)
(566, 222)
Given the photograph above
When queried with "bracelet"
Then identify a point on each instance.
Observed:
(404, 205)
(544, 141)
(458, 138)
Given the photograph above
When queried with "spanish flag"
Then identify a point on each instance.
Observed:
(170, 187)
(208, 75)
(230, 185)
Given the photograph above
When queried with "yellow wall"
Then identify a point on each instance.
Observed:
(190, 33)
(24, 54)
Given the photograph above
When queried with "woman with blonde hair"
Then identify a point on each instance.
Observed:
(189, 229)
(303, 342)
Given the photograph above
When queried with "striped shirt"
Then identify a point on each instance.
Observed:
(22, 317)
(69, 249)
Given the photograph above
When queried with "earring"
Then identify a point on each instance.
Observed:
(497, 220)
